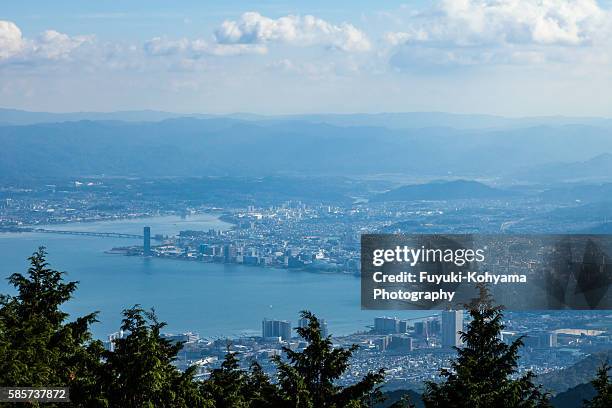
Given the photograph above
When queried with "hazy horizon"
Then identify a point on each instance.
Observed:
(531, 58)
(298, 114)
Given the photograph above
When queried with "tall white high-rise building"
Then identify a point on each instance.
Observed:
(276, 328)
(146, 247)
(452, 323)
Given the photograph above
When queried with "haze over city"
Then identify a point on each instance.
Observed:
(514, 57)
(232, 165)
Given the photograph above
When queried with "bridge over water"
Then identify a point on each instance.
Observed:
(85, 233)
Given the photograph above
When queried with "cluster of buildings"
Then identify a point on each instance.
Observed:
(411, 351)
(66, 202)
(327, 238)
(442, 331)
(299, 235)
(292, 235)
(280, 330)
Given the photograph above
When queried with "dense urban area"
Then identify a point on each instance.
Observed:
(323, 236)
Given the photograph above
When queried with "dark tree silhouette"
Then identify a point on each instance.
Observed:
(38, 348)
(260, 392)
(230, 386)
(308, 378)
(139, 372)
(484, 373)
(226, 385)
(603, 386)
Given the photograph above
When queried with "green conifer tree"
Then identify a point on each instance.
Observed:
(139, 372)
(260, 391)
(308, 378)
(226, 385)
(603, 386)
(38, 347)
(484, 374)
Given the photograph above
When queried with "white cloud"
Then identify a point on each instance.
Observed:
(311, 70)
(523, 32)
(398, 38)
(253, 28)
(48, 45)
(466, 23)
(200, 46)
(11, 41)
(52, 44)
(160, 46)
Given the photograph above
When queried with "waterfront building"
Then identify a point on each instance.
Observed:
(452, 323)
(386, 325)
(146, 246)
(276, 328)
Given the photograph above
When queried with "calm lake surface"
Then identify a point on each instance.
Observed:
(211, 299)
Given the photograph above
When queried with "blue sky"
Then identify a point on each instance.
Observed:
(508, 57)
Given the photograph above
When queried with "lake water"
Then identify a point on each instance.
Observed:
(211, 299)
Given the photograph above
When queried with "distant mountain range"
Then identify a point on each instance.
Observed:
(579, 373)
(443, 190)
(574, 397)
(579, 193)
(593, 169)
(415, 120)
(569, 386)
(231, 146)
(20, 117)
(591, 218)
(390, 120)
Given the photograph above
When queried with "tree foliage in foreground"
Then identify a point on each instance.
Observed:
(306, 379)
(139, 371)
(484, 374)
(40, 348)
(603, 386)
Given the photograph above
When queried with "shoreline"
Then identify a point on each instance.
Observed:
(124, 252)
(28, 228)
(169, 213)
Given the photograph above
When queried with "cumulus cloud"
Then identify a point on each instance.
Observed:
(314, 70)
(470, 32)
(485, 22)
(396, 38)
(48, 45)
(52, 44)
(11, 40)
(160, 46)
(253, 28)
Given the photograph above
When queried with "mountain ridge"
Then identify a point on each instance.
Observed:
(443, 190)
(392, 120)
(230, 146)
